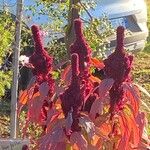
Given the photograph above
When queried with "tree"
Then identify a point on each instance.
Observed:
(60, 15)
(14, 92)
(72, 15)
(6, 32)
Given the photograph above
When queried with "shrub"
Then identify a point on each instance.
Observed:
(83, 112)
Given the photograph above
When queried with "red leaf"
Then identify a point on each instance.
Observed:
(102, 122)
(59, 146)
(97, 108)
(133, 90)
(44, 89)
(79, 140)
(141, 121)
(26, 95)
(61, 65)
(68, 122)
(88, 125)
(144, 146)
(59, 90)
(29, 65)
(34, 109)
(31, 92)
(32, 82)
(124, 142)
(130, 131)
(135, 132)
(52, 115)
(54, 140)
(105, 86)
(94, 79)
(23, 97)
(97, 63)
(105, 128)
(133, 96)
(66, 75)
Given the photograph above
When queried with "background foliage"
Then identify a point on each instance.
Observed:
(141, 61)
(6, 38)
(57, 25)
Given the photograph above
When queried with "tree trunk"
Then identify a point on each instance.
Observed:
(14, 92)
(73, 14)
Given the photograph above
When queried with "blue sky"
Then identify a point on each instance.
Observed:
(11, 5)
(34, 19)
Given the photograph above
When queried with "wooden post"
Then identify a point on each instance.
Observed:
(14, 92)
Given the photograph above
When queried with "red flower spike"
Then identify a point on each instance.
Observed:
(40, 59)
(120, 39)
(78, 28)
(75, 66)
(25, 147)
(118, 66)
(42, 63)
(72, 98)
(37, 39)
(80, 46)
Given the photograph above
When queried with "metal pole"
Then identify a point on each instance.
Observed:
(14, 92)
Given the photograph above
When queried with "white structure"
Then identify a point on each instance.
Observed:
(10, 144)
